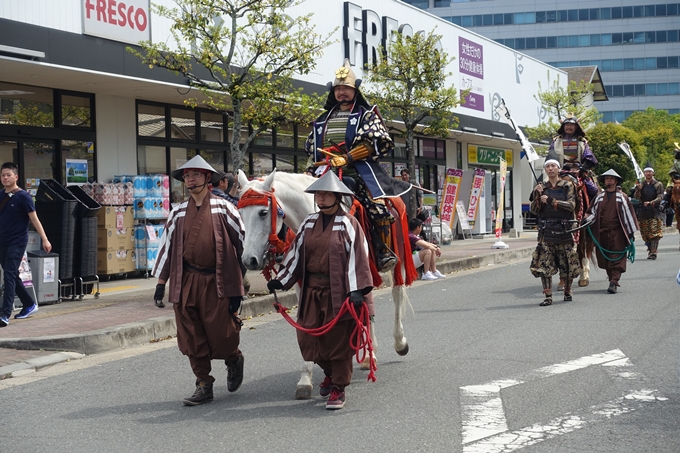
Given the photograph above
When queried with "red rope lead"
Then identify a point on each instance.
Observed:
(360, 341)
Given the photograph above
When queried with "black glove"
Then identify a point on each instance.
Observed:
(235, 304)
(158, 296)
(273, 285)
(357, 298)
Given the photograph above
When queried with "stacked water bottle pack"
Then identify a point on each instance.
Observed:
(147, 240)
(151, 195)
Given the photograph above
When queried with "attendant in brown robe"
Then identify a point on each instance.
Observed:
(329, 256)
(614, 227)
(200, 256)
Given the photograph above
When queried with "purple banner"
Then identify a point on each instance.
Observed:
(474, 101)
(471, 57)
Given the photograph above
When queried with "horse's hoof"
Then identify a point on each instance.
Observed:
(583, 283)
(366, 364)
(403, 351)
(303, 392)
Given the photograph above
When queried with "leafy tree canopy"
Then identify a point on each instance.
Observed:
(241, 55)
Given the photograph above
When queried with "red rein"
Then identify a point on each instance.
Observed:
(360, 341)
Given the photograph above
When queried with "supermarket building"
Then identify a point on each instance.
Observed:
(71, 91)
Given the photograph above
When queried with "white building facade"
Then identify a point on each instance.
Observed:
(634, 43)
(70, 89)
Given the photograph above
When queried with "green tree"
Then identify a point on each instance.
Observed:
(558, 102)
(241, 55)
(409, 83)
(658, 130)
(604, 139)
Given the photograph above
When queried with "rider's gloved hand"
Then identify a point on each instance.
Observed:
(273, 285)
(357, 298)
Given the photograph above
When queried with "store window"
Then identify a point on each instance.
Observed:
(150, 160)
(8, 151)
(183, 124)
(285, 136)
(150, 121)
(216, 159)
(284, 162)
(80, 151)
(212, 127)
(39, 160)
(24, 105)
(76, 111)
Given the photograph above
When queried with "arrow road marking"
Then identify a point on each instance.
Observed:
(485, 427)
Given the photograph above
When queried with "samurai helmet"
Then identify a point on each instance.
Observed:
(329, 182)
(345, 76)
(571, 119)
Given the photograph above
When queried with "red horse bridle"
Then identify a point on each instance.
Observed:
(252, 197)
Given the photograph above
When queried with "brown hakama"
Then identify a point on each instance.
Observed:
(611, 237)
(331, 351)
(204, 332)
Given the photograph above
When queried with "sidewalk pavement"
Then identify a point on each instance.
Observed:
(124, 314)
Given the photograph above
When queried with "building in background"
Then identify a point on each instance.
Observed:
(634, 43)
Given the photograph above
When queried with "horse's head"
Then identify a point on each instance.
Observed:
(255, 207)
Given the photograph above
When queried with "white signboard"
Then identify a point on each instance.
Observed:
(125, 21)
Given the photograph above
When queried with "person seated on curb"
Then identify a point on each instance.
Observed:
(424, 253)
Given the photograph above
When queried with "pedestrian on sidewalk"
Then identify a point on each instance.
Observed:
(649, 193)
(200, 255)
(330, 257)
(554, 203)
(424, 253)
(614, 227)
(225, 186)
(16, 210)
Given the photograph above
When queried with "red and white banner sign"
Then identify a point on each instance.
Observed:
(450, 195)
(499, 216)
(125, 21)
(475, 195)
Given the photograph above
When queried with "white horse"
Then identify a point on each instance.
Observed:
(296, 205)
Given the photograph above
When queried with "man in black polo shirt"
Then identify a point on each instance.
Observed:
(16, 209)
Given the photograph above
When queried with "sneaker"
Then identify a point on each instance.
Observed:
(428, 276)
(26, 312)
(336, 400)
(612, 288)
(325, 387)
(4, 321)
(438, 274)
(202, 394)
(235, 374)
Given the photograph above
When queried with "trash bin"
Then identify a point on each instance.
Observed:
(45, 269)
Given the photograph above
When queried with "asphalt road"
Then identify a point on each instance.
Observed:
(488, 370)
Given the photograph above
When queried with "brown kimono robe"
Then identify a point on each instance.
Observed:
(208, 238)
(330, 263)
(614, 228)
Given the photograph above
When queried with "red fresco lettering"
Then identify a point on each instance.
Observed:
(112, 12)
(115, 13)
(121, 12)
(141, 26)
(88, 7)
(101, 10)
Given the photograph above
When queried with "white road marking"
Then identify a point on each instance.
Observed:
(485, 428)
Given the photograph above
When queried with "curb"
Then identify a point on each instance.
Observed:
(33, 365)
(126, 335)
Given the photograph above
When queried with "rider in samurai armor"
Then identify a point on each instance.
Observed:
(351, 136)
